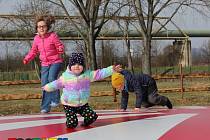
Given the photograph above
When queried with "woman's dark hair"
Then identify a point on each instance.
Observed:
(48, 19)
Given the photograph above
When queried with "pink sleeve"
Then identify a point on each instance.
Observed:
(58, 44)
(32, 53)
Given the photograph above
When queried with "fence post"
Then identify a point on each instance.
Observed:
(114, 94)
(181, 80)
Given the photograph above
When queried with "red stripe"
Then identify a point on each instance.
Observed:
(194, 128)
(53, 130)
(53, 117)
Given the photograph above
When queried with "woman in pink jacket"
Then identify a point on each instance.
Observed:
(50, 49)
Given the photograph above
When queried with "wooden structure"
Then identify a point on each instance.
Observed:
(181, 89)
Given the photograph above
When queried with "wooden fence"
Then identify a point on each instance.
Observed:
(113, 92)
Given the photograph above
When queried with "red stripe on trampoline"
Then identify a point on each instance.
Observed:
(53, 117)
(194, 128)
(53, 130)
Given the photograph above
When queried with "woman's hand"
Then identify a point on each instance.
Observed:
(25, 62)
(60, 50)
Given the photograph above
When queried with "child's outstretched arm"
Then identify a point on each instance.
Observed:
(104, 72)
(54, 85)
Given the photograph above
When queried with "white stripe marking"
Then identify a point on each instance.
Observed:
(193, 107)
(16, 125)
(55, 115)
(144, 129)
(29, 116)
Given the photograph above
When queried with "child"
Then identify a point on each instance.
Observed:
(144, 87)
(75, 82)
(50, 49)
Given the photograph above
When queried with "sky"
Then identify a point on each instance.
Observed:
(189, 20)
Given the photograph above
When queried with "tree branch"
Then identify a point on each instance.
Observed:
(139, 12)
(78, 29)
(173, 14)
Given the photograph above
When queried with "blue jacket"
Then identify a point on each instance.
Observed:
(137, 83)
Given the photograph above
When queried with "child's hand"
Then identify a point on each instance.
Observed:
(117, 68)
(43, 88)
(137, 110)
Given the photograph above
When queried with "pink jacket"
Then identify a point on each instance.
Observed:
(49, 48)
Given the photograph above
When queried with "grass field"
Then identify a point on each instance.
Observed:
(16, 107)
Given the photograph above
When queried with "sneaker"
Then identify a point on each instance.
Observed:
(168, 104)
(54, 104)
(43, 111)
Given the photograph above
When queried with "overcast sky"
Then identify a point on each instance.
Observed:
(189, 20)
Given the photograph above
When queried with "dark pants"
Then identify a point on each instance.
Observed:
(124, 99)
(152, 97)
(85, 111)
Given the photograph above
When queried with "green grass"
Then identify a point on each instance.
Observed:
(31, 75)
(11, 89)
(186, 70)
(11, 76)
(16, 107)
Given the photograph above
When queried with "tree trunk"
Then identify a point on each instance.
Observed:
(130, 63)
(128, 45)
(91, 41)
(37, 67)
(102, 54)
(88, 54)
(146, 59)
(93, 63)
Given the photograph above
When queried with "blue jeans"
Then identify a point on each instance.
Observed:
(49, 74)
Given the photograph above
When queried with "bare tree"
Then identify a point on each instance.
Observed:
(155, 51)
(127, 42)
(90, 11)
(107, 53)
(148, 11)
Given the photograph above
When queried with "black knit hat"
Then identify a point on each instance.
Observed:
(76, 58)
